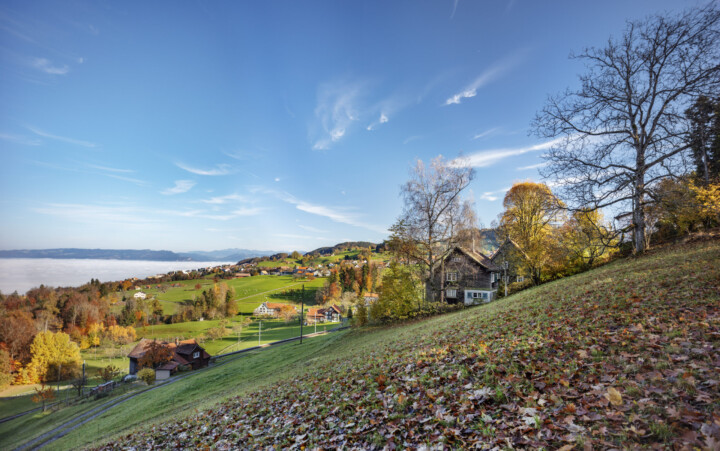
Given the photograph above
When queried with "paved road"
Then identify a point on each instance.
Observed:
(84, 417)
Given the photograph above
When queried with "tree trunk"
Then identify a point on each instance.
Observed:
(638, 210)
(638, 213)
(442, 281)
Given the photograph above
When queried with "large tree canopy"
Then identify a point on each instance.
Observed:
(434, 215)
(625, 127)
(531, 213)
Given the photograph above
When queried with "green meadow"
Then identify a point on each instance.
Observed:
(250, 292)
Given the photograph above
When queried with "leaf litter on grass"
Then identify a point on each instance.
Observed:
(624, 356)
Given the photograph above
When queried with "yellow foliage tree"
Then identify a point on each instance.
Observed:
(120, 334)
(54, 356)
(587, 238)
(95, 331)
(531, 210)
(708, 198)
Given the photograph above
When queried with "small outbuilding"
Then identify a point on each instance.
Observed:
(186, 353)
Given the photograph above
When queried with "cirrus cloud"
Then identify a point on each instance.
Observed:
(181, 186)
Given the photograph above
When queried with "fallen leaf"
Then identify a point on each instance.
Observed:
(614, 396)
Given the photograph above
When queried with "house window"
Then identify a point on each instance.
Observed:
(451, 277)
(457, 259)
(520, 279)
(493, 277)
(196, 354)
(451, 293)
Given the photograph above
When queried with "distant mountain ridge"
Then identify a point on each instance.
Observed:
(229, 255)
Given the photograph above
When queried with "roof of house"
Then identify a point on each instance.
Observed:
(314, 312)
(507, 241)
(184, 347)
(479, 258)
(276, 305)
(371, 295)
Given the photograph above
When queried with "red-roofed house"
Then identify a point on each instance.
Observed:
(321, 315)
(185, 353)
(271, 309)
(313, 316)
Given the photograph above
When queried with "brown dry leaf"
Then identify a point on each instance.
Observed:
(566, 448)
(614, 396)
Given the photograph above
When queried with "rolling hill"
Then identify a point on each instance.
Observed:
(624, 356)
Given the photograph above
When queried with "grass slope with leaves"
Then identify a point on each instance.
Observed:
(623, 356)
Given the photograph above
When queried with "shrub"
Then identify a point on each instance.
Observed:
(216, 333)
(109, 372)
(146, 375)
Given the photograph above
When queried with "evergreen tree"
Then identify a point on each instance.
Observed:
(704, 118)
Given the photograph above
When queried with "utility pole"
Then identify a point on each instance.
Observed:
(302, 309)
(259, 331)
(59, 376)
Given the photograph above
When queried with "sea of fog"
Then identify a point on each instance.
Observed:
(22, 274)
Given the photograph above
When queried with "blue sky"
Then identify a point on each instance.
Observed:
(269, 125)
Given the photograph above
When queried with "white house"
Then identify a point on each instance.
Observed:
(139, 295)
(270, 309)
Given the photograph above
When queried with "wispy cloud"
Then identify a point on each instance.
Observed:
(493, 195)
(220, 169)
(337, 214)
(486, 158)
(532, 166)
(381, 120)
(243, 155)
(65, 139)
(411, 138)
(44, 65)
(336, 110)
(19, 139)
(216, 216)
(105, 168)
(455, 5)
(488, 132)
(248, 211)
(312, 229)
(127, 179)
(122, 214)
(181, 186)
(301, 237)
(490, 74)
(218, 200)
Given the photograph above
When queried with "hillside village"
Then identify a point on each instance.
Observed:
(587, 316)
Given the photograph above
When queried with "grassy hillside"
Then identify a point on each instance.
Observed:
(623, 356)
(250, 292)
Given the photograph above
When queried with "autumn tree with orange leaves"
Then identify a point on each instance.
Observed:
(531, 213)
(156, 353)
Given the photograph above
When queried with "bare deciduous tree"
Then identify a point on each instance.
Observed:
(434, 214)
(625, 129)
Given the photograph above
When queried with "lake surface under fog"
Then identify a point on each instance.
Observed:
(22, 274)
